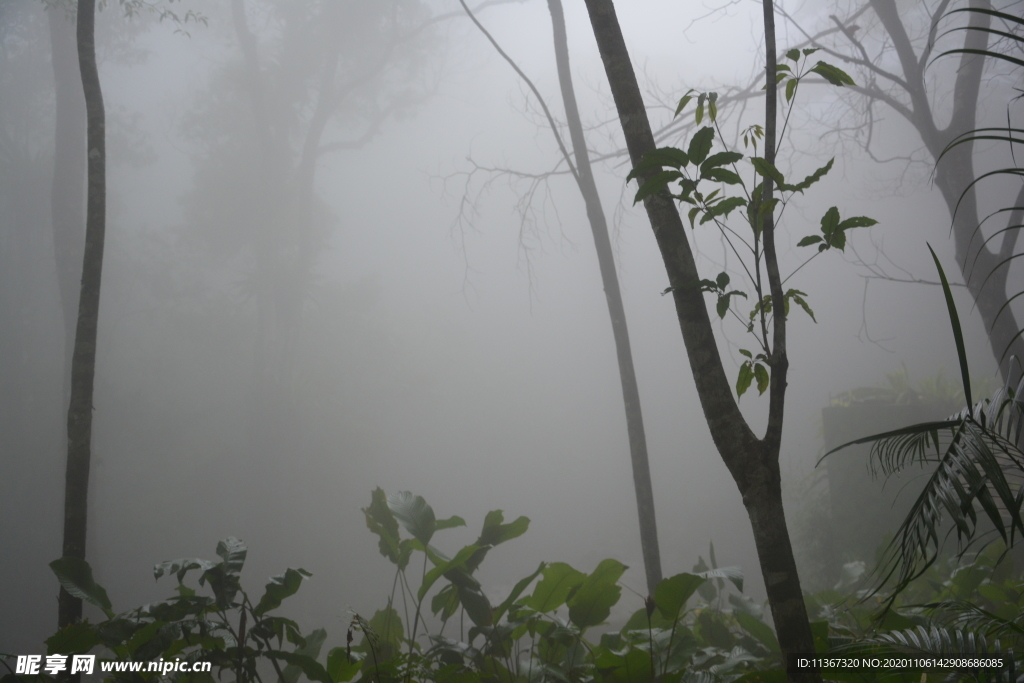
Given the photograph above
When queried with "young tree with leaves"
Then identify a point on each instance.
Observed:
(752, 461)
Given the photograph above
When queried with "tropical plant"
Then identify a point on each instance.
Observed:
(978, 473)
(532, 635)
(698, 627)
(221, 625)
(542, 635)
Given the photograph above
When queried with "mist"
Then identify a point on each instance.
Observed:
(430, 323)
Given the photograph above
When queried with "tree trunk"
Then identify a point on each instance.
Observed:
(67, 200)
(83, 362)
(984, 270)
(610, 279)
(752, 462)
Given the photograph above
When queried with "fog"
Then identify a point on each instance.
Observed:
(442, 333)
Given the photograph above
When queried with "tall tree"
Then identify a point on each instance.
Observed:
(893, 59)
(583, 175)
(609, 278)
(67, 198)
(324, 79)
(83, 361)
(752, 461)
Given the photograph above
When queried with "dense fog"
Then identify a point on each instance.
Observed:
(283, 330)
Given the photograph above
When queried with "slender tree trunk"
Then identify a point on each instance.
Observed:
(753, 462)
(610, 279)
(67, 199)
(83, 362)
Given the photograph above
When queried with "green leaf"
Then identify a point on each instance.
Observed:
(723, 208)
(793, 55)
(314, 641)
(656, 183)
(700, 144)
(958, 335)
(74, 638)
(552, 590)
(449, 523)
(476, 605)
(839, 240)
(722, 281)
(496, 532)
(810, 239)
(386, 629)
(857, 222)
(180, 567)
(767, 170)
(75, 575)
(761, 375)
(832, 74)
(459, 561)
(746, 376)
(280, 587)
(719, 159)
(683, 101)
(791, 89)
(591, 604)
(339, 667)
(445, 602)
(414, 514)
(809, 180)
(744, 352)
(692, 214)
(808, 51)
(382, 522)
(798, 296)
(830, 221)
(722, 307)
(657, 159)
(233, 552)
(517, 590)
(672, 593)
(760, 630)
(724, 175)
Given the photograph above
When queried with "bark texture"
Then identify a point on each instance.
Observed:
(984, 267)
(83, 362)
(67, 199)
(610, 280)
(753, 462)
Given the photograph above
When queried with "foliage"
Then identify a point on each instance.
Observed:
(223, 626)
(978, 468)
(702, 179)
(698, 627)
(540, 635)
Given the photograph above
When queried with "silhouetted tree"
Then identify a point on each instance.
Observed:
(67, 200)
(83, 361)
(890, 50)
(583, 175)
(752, 461)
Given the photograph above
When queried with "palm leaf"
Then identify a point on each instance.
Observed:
(979, 474)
